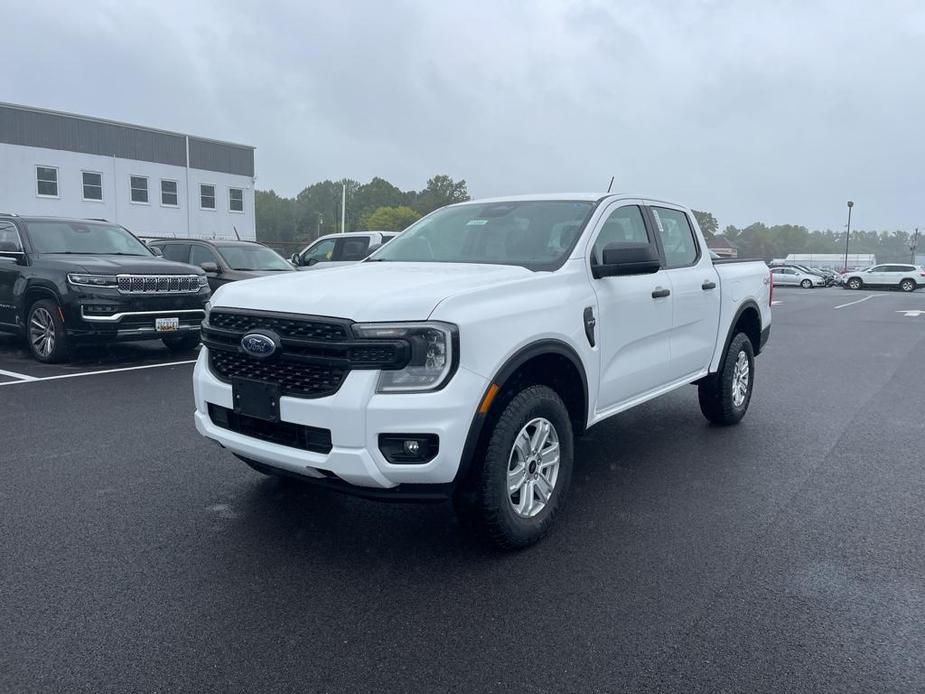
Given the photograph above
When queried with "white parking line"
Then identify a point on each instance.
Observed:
(13, 374)
(31, 379)
(852, 303)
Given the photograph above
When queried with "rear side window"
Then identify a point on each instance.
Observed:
(623, 225)
(677, 235)
(351, 248)
(178, 252)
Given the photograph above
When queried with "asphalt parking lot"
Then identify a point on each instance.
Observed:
(784, 554)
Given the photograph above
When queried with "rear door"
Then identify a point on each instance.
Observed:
(633, 313)
(694, 289)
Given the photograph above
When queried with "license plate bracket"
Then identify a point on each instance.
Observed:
(256, 399)
(166, 325)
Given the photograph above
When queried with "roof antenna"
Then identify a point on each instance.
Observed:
(611, 183)
(237, 235)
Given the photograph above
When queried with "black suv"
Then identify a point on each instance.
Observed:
(65, 282)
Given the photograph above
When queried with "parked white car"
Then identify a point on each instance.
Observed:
(793, 277)
(894, 275)
(461, 359)
(340, 249)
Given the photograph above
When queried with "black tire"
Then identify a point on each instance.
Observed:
(715, 392)
(806, 284)
(908, 285)
(47, 346)
(181, 343)
(855, 283)
(484, 500)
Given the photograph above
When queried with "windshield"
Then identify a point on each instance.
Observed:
(253, 258)
(537, 235)
(59, 236)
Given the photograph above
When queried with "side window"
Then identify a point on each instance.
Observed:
(878, 268)
(351, 248)
(677, 237)
(46, 181)
(898, 268)
(321, 251)
(201, 254)
(9, 238)
(176, 251)
(624, 225)
(139, 189)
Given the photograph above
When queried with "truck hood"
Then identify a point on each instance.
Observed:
(377, 291)
(119, 264)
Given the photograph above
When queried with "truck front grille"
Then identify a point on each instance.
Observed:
(284, 327)
(158, 284)
(294, 378)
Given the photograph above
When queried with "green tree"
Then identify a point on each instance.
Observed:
(390, 218)
(441, 190)
(707, 222)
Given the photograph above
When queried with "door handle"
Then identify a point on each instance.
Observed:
(659, 293)
(707, 284)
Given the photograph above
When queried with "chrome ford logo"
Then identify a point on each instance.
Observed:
(258, 345)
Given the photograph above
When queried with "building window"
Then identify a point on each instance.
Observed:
(206, 196)
(236, 199)
(46, 181)
(93, 185)
(169, 194)
(140, 189)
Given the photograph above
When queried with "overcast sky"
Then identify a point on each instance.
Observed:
(776, 111)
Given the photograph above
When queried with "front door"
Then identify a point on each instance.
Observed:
(633, 313)
(695, 293)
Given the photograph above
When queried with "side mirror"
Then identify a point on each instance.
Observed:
(209, 267)
(295, 259)
(627, 259)
(311, 261)
(156, 251)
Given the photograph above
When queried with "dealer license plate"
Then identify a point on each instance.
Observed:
(166, 325)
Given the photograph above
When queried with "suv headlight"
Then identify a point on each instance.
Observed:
(203, 281)
(434, 354)
(82, 280)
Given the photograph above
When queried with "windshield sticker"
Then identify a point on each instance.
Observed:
(476, 222)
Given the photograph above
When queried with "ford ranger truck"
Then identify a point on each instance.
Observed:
(461, 359)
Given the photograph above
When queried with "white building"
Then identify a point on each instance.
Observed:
(154, 182)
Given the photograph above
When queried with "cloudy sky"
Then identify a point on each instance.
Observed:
(772, 111)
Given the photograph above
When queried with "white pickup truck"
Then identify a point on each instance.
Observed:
(461, 359)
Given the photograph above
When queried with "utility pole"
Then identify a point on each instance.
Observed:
(848, 235)
(913, 245)
(343, 209)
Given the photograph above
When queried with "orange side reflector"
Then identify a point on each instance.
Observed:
(488, 397)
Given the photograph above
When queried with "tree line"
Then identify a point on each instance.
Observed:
(759, 240)
(379, 205)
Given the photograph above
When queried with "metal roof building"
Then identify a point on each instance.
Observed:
(155, 182)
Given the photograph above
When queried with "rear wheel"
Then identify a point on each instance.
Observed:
(855, 283)
(514, 496)
(724, 396)
(181, 343)
(907, 285)
(806, 284)
(45, 332)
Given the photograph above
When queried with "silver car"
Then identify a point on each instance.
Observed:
(791, 276)
(340, 249)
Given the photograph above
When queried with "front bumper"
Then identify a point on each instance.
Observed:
(355, 415)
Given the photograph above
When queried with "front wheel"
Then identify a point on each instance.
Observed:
(181, 343)
(854, 283)
(907, 285)
(46, 333)
(724, 396)
(806, 284)
(521, 484)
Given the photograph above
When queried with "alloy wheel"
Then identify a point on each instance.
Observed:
(42, 332)
(533, 467)
(740, 378)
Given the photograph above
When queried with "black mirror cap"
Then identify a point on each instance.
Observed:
(209, 267)
(628, 259)
(295, 259)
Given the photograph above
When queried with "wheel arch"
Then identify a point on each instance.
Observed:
(549, 362)
(747, 319)
(31, 294)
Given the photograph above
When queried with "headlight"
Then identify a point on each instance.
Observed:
(434, 348)
(203, 280)
(81, 280)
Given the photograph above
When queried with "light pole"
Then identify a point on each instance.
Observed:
(914, 244)
(848, 235)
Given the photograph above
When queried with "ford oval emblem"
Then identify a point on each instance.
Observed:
(258, 345)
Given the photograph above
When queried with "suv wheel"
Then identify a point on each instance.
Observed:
(907, 285)
(806, 284)
(45, 332)
(181, 343)
(855, 283)
(526, 471)
(724, 396)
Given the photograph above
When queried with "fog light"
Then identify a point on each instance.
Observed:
(409, 449)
